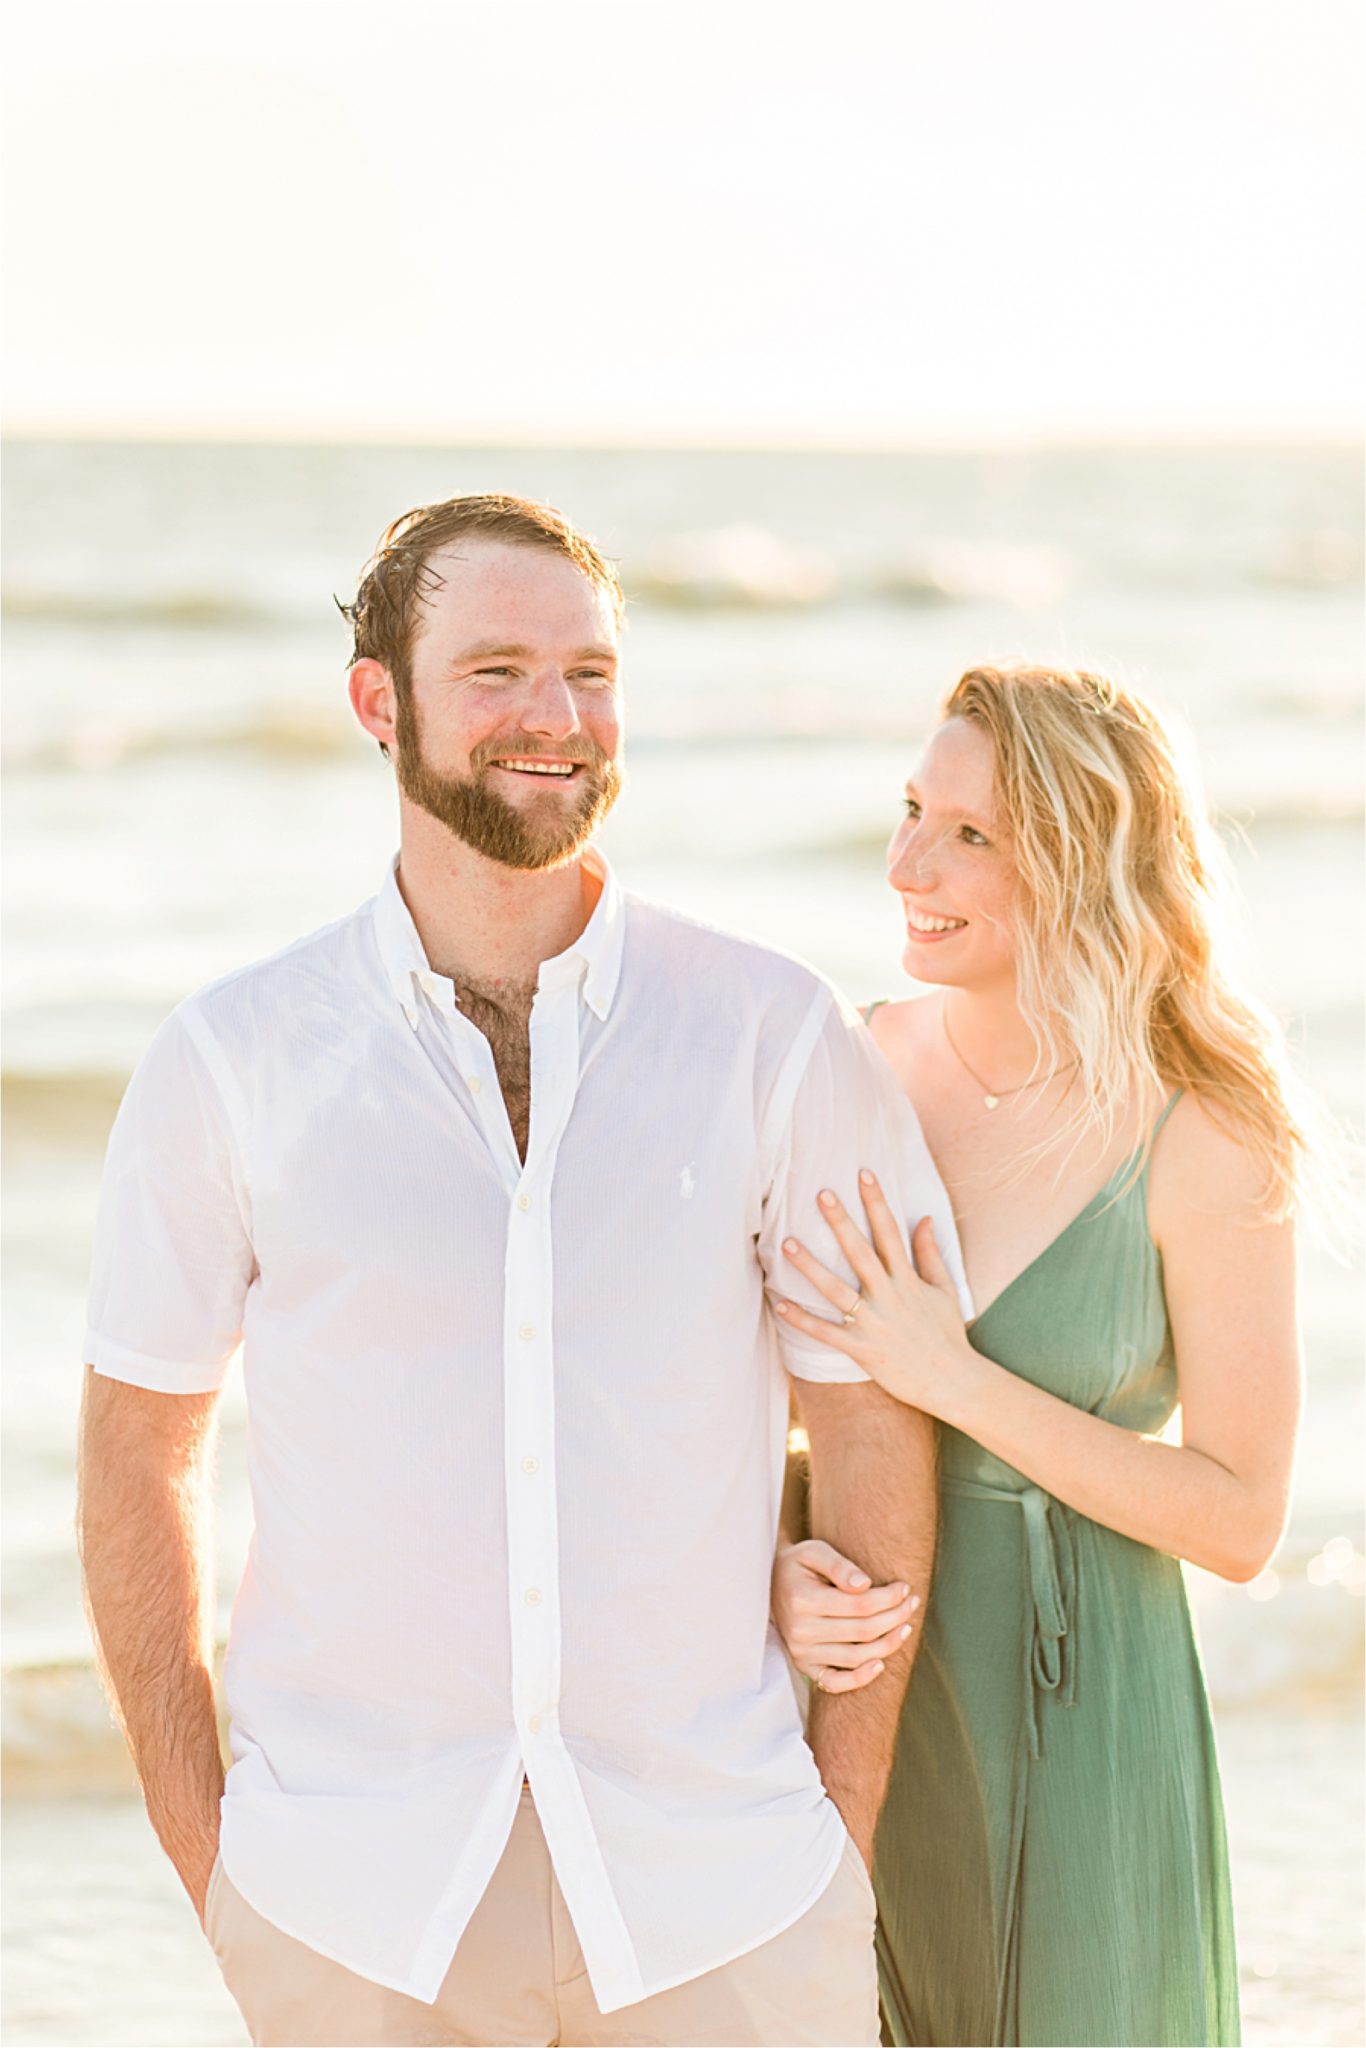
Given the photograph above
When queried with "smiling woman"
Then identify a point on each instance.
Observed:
(1115, 1124)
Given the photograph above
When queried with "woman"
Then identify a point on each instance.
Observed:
(1113, 1123)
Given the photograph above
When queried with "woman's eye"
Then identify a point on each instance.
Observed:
(973, 836)
(912, 807)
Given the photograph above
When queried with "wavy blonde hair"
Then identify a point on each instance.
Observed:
(1121, 959)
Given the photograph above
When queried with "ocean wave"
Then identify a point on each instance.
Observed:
(95, 744)
(1236, 823)
(811, 720)
(1292, 1635)
(53, 1100)
(751, 567)
(186, 608)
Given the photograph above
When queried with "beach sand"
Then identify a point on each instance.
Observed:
(101, 1945)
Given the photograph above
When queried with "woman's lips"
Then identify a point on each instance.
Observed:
(933, 928)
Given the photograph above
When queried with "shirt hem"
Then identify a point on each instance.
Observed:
(653, 1987)
(389, 1981)
(417, 1983)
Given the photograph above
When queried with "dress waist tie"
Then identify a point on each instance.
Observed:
(1051, 1643)
(1050, 1665)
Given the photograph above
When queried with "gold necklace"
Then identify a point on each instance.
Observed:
(992, 1098)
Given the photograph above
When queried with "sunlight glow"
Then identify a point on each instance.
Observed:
(684, 222)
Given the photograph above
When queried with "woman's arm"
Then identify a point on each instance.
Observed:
(1220, 1497)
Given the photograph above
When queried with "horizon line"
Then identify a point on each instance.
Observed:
(265, 434)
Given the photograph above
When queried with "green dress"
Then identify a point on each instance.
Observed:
(1051, 1865)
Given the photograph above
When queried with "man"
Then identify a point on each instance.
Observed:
(489, 1179)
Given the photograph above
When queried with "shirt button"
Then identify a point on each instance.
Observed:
(524, 1202)
(527, 1332)
(531, 1464)
(532, 1596)
(534, 1725)
(472, 1081)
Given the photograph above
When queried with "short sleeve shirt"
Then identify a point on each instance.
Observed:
(516, 1427)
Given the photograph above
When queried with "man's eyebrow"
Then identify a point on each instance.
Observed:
(484, 650)
(489, 650)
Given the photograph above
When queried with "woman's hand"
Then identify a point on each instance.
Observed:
(839, 1629)
(907, 1330)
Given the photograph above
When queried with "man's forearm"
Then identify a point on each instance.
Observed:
(874, 1497)
(145, 1553)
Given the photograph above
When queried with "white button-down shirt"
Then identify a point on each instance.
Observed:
(516, 1429)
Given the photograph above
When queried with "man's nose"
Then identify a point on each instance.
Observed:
(549, 709)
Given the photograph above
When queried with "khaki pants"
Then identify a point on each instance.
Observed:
(518, 1979)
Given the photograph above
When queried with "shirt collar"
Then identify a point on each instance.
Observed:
(594, 958)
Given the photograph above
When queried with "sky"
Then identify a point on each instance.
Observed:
(644, 220)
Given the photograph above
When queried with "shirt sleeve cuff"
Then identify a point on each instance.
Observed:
(159, 1375)
(819, 1363)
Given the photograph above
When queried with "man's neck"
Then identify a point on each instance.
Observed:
(482, 924)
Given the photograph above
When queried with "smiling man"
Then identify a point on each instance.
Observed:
(490, 1179)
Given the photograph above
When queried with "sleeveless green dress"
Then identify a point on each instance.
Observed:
(1051, 1865)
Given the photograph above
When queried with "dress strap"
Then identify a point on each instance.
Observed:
(1168, 1106)
(867, 1015)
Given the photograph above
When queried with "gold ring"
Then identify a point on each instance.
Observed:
(851, 1314)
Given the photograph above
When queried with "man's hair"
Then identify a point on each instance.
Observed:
(399, 577)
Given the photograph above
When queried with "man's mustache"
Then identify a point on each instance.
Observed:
(583, 752)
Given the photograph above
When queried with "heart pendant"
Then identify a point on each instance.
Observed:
(992, 1101)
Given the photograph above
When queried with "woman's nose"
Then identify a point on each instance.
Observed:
(910, 859)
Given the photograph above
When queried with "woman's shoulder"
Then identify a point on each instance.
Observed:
(1202, 1166)
(898, 1030)
(897, 1017)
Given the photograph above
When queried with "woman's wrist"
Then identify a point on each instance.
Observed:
(967, 1384)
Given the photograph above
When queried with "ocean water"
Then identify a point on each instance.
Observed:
(185, 789)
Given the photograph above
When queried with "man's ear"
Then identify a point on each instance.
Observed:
(374, 700)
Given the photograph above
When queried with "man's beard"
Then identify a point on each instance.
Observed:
(547, 833)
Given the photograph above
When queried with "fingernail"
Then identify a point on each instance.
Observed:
(865, 1176)
(916, 1601)
(860, 1579)
(780, 1308)
(905, 1590)
(905, 1630)
(789, 1244)
(827, 1199)
(879, 1666)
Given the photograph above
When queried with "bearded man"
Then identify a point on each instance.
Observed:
(490, 1180)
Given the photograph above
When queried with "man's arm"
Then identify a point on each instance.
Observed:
(146, 1552)
(874, 1497)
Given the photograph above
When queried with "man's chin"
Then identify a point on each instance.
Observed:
(546, 830)
(537, 860)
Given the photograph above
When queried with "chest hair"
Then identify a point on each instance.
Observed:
(502, 1011)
